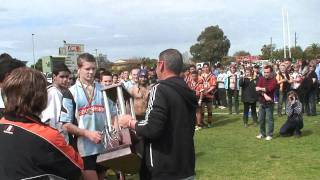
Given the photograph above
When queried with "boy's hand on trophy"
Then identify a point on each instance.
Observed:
(94, 136)
(124, 120)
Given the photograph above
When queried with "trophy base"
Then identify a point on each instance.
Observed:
(122, 159)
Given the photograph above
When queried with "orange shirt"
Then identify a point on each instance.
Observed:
(209, 81)
(196, 86)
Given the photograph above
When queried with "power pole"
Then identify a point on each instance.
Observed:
(295, 40)
(271, 48)
(97, 61)
(34, 60)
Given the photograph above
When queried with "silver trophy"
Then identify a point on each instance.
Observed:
(120, 143)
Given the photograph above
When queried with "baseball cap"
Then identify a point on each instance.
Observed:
(143, 72)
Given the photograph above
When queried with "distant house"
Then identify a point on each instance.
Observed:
(126, 64)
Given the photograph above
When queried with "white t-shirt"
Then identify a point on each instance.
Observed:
(220, 79)
(51, 114)
(294, 76)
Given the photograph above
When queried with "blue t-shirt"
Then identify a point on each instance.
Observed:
(95, 121)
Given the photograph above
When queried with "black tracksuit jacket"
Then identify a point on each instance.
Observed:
(168, 131)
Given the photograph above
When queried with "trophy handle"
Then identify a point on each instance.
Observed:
(107, 110)
(133, 114)
(121, 101)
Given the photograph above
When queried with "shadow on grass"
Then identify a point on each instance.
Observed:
(224, 122)
(199, 154)
(306, 132)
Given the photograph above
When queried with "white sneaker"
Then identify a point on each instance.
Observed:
(197, 128)
(268, 138)
(260, 136)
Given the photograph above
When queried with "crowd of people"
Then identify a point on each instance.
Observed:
(56, 130)
(268, 85)
(170, 102)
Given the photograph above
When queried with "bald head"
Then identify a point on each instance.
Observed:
(173, 59)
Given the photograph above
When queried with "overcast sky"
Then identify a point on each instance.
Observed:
(143, 28)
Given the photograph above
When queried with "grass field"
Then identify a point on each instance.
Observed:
(231, 151)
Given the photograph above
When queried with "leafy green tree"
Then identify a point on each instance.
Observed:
(212, 45)
(266, 51)
(241, 53)
(312, 51)
(38, 65)
(297, 52)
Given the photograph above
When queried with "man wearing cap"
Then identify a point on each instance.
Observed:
(140, 94)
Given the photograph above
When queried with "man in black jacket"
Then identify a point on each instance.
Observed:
(169, 123)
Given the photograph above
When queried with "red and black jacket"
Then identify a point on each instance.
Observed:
(30, 148)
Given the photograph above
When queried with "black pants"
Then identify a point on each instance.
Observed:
(310, 103)
(222, 97)
(291, 127)
(233, 94)
(246, 108)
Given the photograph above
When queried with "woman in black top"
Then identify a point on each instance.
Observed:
(249, 96)
(308, 90)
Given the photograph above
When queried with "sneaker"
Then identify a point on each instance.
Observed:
(245, 125)
(197, 128)
(268, 138)
(260, 136)
(209, 126)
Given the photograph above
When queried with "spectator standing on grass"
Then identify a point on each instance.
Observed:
(266, 87)
(249, 96)
(221, 88)
(256, 72)
(209, 86)
(283, 80)
(294, 123)
(196, 85)
(232, 86)
(308, 90)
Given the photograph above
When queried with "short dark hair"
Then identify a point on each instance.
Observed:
(192, 65)
(7, 64)
(268, 67)
(173, 59)
(206, 64)
(185, 68)
(60, 67)
(115, 75)
(25, 92)
(105, 73)
(4, 56)
(85, 57)
(288, 59)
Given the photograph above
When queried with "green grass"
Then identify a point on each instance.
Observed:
(230, 151)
